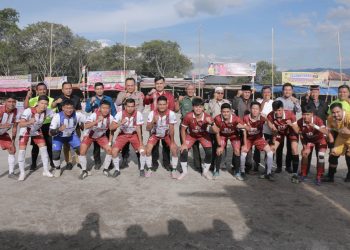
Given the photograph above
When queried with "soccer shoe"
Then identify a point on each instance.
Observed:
(98, 165)
(328, 179)
(83, 175)
(216, 174)
(239, 177)
(278, 170)
(289, 170)
(32, 167)
(318, 181)
(22, 176)
(79, 165)
(106, 172)
(57, 172)
(181, 176)
(347, 179)
(69, 166)
(142, 173)
(12, 176)
(303, 178)
(148, 173)
(47, 174)
(267, 177)
(295, 179)
(173, 174)
(207, 175)
(116, 174)
(124, 163)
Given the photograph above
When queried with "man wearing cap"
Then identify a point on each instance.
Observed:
(214, 109)
(184, 105)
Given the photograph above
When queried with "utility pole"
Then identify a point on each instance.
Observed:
(50, 71)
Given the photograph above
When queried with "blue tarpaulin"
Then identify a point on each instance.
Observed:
(300, 89)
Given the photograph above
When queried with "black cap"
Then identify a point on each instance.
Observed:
(246, 87)
(314, 87)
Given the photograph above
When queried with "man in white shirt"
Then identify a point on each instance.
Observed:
(63, 130)
(96, 127)
(30, 126)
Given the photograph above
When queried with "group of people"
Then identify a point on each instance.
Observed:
(252, 127)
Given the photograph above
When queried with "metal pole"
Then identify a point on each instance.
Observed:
(199, 60)
(340, 60)
(50, 72)
(124, 50)
(272, 65)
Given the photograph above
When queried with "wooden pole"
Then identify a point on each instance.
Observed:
(50, 72)
(199, 60)
(124, 51)
(340, 60)
(272, 65)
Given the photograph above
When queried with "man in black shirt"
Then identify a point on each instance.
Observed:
(67, 95)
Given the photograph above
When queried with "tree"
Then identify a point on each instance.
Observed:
(35, 46)
(164, 58)
(264, 73)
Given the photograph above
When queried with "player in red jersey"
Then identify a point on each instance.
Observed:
(229, 125)
(312, 134)
(161, 124)
(253, 133)
(9, 118)
(283, 123)
(196, 126)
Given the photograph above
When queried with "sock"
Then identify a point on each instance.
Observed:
(116, 161)
(107, 161)
(304, 165)
(44, 158)
(149, 162)
(206, 167)
(184, 167)
(142, 162)
(57, 164)
(269, 161)
(347, 159)
(83, 161)
(236, 162)
(242, 162)
(11, 162)
(21, 160)
(174, 161)
(295, 162)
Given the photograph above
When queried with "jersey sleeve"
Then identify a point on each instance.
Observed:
(139, 118)
(18, 117)
(118, 117)
(319, 122)
(81, 117)
(172, 118)
(150, 117)
(49, 113)
(111, 119)
(186, 121)
(292, 118)
(91, 118)
(217, 121)
(55, 122)
(26, 115)
(270, 117)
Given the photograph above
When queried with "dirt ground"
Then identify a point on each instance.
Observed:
(160, 213)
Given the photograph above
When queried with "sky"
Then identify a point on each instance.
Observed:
(305, 31)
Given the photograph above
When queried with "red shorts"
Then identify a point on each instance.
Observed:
(205, 141)
(320, 145)
(291, 137)
(123, 139)
(235, 142)
(38, 139)
(5, 141)
(154, 139)
(102, 141)
(259, 143)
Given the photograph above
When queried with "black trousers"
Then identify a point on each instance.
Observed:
(279, 154)
(48, 140)
(166, 155)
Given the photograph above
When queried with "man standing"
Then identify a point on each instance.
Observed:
(184, 104)
(9, 118)
(92, 104)
(290, 103)
(138, 96)
(67, 95)
(343, 98)
(40, 89)
(151, 99)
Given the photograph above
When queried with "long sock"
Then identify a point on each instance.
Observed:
(269, 161)
(206, 167)
(149, 161)
(116, 161)
(83, 161)
(242, 161)
(44, 158)
(142, 161)
(184, 167)
(174, 161)
(236, 163)
(57, 163)
(320, 170)
(347, 159)
(107, 161)
(11, 162)
(21, 160)
(295, 161)
(304, 166)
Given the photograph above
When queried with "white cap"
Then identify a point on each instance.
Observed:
(219, 89)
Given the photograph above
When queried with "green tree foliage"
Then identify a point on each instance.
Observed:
(264, 73)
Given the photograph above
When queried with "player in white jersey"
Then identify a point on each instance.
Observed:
(62, 129)
(9, 118)
(30, 126)
(161, 124)
(130, 122)
(96, 127)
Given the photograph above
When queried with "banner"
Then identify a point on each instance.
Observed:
(55, 82)
(111, 79)
(232, 69)
(305, 78)
(15, 82)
